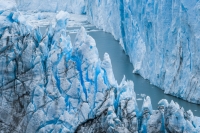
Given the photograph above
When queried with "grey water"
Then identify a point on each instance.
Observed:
(121, 66)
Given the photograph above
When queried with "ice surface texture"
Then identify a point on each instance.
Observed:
(72, 6)
(49, 84)
(159, 36)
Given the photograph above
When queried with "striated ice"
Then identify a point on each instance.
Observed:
(105, 15)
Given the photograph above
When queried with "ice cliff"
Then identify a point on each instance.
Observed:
(160, 37)
(49, 84)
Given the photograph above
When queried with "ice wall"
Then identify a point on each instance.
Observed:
(72, 6)
(160, 37)
(104, 19)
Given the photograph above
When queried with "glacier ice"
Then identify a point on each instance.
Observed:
(49, 84)
(7, 5)
(72, 6)
(105, 15)
(158, 36)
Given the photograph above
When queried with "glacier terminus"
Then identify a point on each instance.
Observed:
(50, 83)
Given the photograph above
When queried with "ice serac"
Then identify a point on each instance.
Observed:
(50, 85)
(72, 6)
(158, 36)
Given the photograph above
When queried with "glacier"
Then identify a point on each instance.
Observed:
(49, 84)
(72, 6)
(159, 36)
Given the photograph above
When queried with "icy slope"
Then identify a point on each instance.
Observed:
(73, 6)
(161, 38)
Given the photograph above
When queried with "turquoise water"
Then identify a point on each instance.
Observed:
(121, 66)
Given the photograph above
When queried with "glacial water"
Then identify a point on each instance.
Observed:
(121, 66)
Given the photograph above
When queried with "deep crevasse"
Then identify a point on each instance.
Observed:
(160, 37)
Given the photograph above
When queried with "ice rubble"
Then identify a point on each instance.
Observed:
(160, 36)
(49, 84)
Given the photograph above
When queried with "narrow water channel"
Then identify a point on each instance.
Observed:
(121, 66)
